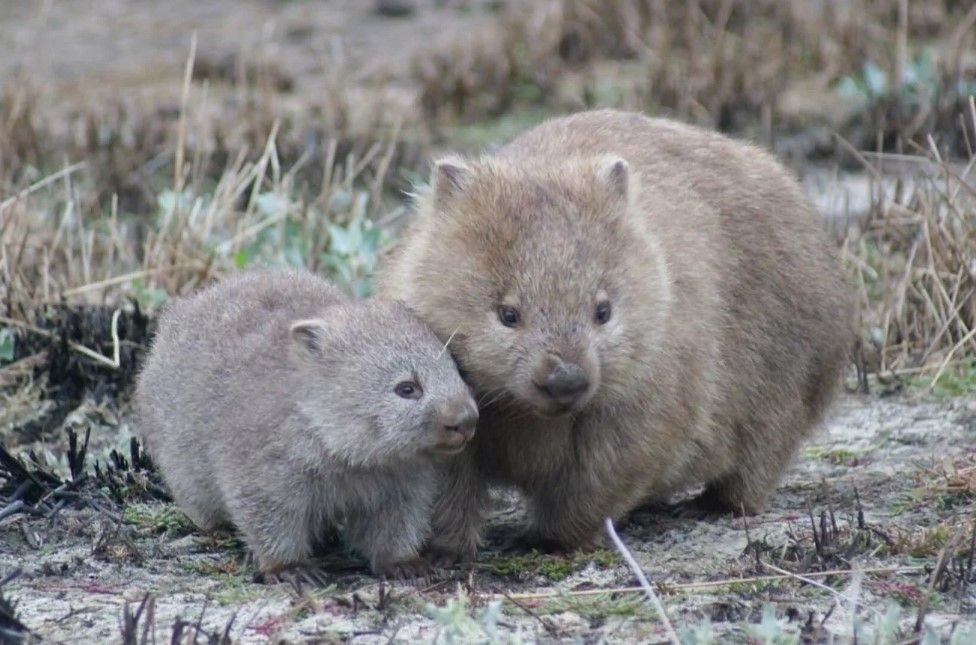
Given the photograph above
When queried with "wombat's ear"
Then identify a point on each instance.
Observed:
(615, 174)
(452, 175)
(310, 336)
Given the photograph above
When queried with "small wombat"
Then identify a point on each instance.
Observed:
(273, 403)
(642, 306)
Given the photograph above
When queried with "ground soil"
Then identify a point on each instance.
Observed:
(882, 457)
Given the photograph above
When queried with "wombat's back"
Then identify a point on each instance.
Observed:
(198, 387)
(787, 319)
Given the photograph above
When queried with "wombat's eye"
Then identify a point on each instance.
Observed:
(408, 390)
(603, 312)
(509, 315)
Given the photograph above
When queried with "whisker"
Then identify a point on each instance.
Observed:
(448, 342)
(495, 399)
(495, 392)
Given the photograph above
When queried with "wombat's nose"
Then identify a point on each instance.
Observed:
(460, 418)
(566, 382)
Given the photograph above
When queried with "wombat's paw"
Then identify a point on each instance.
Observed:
(445, 553)
(713, 502)
(444, 558)
(692, 509)
(414, 568)
(532, 540)
(295, 574)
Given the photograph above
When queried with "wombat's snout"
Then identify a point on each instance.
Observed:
(454, 425)
(564, 383)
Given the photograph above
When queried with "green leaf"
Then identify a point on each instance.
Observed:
(355, 239)
(875, 79)
(768, 629)
(849, 88)
(271, 204)
(340, 201)
(339, 240)
(166, 200)
(7, 339)
(362, 288)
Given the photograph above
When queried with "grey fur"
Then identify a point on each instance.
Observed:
(268, 403)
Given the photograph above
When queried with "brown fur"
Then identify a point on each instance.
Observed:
(729, 329)
(269, 403)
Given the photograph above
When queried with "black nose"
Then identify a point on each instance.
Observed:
(566, 382)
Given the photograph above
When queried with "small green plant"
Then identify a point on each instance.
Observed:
(148, 297)
(770, 631)
(237, 590)
(701, 634)
(354, 249)
(159, 518)
(283, 242)
(839, 456)
(552, 567)
(457, 624)
(884, 631)
(600, 606)
(919, 83)
(959, 380)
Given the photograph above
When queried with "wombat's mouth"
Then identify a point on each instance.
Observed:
(547, 407)
(558, 386)
(446, 451)
(451, 440)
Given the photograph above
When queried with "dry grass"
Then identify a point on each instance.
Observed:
(914, 264)
(767, 67)
(158, 205)
(147, 210)
(52, 250)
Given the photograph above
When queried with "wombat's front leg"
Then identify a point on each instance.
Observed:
(462, 496)
(594, 480)
(390, 530)
(568, 516)
(279, 534)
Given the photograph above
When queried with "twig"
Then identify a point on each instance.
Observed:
(968, 572)
(838, 595)
(41, 183)
(711, 584)
(645, 585)
(178, 176)
(116, 359)
(119, 279)
(13, 508)
(965, 339)
(546, 624)
(81, 349)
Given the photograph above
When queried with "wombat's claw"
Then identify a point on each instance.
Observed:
(440, 558)
(312, 575)
(706, 506)
(295, 575)
(691, 511)
(415, 569)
